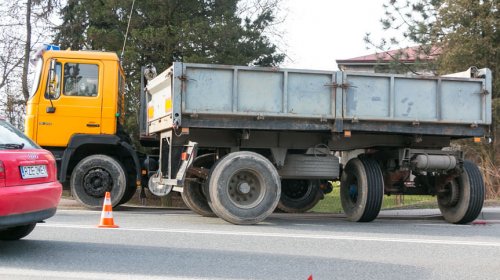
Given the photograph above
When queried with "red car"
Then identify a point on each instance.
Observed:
(29, 190)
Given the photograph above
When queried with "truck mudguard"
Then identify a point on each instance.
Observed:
(78, 140)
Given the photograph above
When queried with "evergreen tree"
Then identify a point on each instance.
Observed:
(163, 31)
(466, 33)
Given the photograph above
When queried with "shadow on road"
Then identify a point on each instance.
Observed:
(190, 262)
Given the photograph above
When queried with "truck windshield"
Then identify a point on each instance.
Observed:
(36, 76)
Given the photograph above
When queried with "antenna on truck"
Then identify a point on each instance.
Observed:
(126, 33)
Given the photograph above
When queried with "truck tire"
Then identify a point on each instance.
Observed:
(16, 233)
(193, 193)
(95, 175)
(361, 189)
(244, 188)
(298, 196)
(464, 199)
(129, 193)
(131, 181)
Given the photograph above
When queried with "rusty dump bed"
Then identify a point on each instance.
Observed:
(235, 97)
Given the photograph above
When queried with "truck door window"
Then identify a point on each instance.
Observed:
(80, 79)
(57, 91)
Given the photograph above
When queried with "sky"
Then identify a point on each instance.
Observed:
(317, 32)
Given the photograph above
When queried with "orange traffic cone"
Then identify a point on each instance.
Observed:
(107, 213)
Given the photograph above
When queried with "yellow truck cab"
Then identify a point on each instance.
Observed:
(76, 110)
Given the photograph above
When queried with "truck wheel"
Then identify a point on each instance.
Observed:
(193, 193)
(244, 188)
(298, 196)
(16, 233)
(361, 189)
(131, 182)
(129, 193)
(463, 200)
(95, 175)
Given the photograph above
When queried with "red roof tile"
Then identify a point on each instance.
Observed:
(407, 55)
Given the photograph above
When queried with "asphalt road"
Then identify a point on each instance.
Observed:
(176, 244)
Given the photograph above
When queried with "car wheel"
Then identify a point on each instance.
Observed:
(16, 233)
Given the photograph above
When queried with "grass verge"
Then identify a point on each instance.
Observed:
(331, 202)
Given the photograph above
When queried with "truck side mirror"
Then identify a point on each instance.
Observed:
(52, 79)
(52, 86)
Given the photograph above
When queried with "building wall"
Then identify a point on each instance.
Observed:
(357, 68)
(373, 68)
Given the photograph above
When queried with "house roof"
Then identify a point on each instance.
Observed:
(407, 55)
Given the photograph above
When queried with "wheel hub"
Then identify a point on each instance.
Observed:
(97, 182)
(156, 187)
(297, 189)
(353, 192)
(245, 189)
(450, 195)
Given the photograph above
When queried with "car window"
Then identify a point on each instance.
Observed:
(80, 79)
(12, 138)
(37, 75)
(57, 90)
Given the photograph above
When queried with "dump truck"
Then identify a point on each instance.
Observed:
(239, 142)
(259, 133)
(76, 111)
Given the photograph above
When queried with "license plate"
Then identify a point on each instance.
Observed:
(33, 171)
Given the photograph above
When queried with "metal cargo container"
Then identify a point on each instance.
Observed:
(240, 141)
(266, 98)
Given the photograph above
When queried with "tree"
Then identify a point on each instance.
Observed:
(163, 31)
(466, 33)
(18, 37)
(402, 20)
(11, 62)
(36, 10)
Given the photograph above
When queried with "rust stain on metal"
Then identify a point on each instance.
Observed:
(337, 85)
(198, 172)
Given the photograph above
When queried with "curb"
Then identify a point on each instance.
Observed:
(491, 215)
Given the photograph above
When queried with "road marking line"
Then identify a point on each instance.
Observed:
(291, 235)
(119, 213)
(309, 225)
(50, 274)
(442, 225)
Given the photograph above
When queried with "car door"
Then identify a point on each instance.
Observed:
(76, 106)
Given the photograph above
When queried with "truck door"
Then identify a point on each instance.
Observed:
(76, 106)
